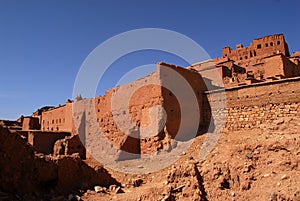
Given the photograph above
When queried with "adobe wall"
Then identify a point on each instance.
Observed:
(257, 105)
(170, 101)
(58, 119)
(26, 173)
(43, 142)
(126, 107)
(69, 145)
(260, 47)
(31, 123)
(136, 109)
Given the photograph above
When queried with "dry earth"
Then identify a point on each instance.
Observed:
(257, 164)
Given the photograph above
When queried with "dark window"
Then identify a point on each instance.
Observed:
(251, 54)
(254, 53)
(271, 43)
(98, 110)
(170, 94)
(259, 46)
(241, 58)
(246, 57)
(278, 42)
(267, 44)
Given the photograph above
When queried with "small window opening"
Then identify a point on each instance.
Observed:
(267, 45)
(278, 42)
(259, 46)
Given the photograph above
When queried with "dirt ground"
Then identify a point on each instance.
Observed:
(259, 164)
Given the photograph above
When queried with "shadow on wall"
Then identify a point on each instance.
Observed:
(23, 172)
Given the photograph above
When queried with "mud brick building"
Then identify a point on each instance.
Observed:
(265, 59)
(260, 77)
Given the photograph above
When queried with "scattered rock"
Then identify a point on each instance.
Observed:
(99, 189)
(137, 182)
(284, 177)
(179, 188)
(249, 156)
(115, 189)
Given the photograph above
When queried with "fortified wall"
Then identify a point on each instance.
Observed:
(259, 84)
(266, 59)
(140, 117)
(259, 105)
(260, 47)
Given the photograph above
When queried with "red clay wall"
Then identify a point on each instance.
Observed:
(58, 119)
(43, 142)
(139, 104)
(170, 102)
(31, 123)
(251, 107)
(147, 95)
(260, 47)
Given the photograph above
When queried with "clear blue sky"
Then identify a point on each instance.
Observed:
(43, 43)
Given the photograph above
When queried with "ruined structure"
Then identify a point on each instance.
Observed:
(246, 73)
(266, 59)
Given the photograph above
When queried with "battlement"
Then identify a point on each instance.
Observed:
(260, 47)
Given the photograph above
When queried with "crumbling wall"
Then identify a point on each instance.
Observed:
(256, 105)
(69, 145)
(17, 172)
(23, 172)
(31, 123)
(43, 142)
(170, 101)
(260, 47)
(125, 109)
(58, 119)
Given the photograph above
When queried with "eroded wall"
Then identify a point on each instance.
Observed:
(260, 47)
(43, 142)
(58, 119)
(256, 106)
(31, 123)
